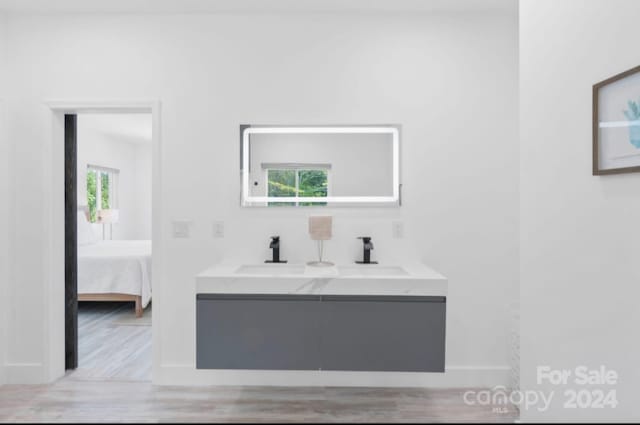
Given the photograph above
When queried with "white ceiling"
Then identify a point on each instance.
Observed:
(203, 6)
(129, 128)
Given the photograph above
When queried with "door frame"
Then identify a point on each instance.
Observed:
(53, 206)
(4, 245)
(70, 241)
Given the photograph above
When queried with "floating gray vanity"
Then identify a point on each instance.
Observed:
(292, 317)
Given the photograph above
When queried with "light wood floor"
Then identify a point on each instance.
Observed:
(112, 385)
(71, 400)
(113, 343)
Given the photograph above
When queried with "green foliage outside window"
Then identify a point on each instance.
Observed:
(91, 195)
(282, 183)
(311, 183)
(105, 190)
(93, 202)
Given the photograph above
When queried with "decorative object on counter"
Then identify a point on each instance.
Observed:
(368, 246)
(275, 246)
(320, 230)
(108, 217)
(616, 124)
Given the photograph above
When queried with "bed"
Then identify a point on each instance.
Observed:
(113, 270)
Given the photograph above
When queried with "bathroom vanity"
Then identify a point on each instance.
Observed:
(294, 317)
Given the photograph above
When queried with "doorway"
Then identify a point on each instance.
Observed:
(101, 226)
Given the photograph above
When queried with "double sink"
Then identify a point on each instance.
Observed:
(337, 271)
(351, 317)
(407, 279)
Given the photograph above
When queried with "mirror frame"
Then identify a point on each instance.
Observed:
(261, 201)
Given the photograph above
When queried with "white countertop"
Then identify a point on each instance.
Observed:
(414, 279)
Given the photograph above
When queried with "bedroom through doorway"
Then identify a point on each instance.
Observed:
(108, 161)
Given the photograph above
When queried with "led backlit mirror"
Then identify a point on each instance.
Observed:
(302, 166)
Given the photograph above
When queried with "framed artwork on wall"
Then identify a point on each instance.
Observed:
(616, 124)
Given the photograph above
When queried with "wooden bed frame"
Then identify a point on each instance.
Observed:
(114, 297)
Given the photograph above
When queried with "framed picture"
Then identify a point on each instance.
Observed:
(616, 124)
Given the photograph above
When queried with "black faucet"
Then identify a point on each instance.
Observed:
(275, 246)
(368, 246)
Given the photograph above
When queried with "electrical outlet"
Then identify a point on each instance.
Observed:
(181, 229)
(397, 229)
(218, 229)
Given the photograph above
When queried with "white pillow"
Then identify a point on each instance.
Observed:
(86, 235)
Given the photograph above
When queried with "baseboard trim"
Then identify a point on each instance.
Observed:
(24, 373)
(454, 377)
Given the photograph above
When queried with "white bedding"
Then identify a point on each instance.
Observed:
(122, 267)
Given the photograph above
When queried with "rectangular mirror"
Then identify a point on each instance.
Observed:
(320, 165)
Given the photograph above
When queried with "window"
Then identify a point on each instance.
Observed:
(302, 182)
(101, 190)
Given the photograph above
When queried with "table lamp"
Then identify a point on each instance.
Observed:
(320, 230)
(109, 217)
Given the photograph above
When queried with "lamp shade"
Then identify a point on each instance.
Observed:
(320, 228)
(108, 216)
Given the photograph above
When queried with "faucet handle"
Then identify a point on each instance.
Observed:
(275, 245)
(366, 240)
(367, 246)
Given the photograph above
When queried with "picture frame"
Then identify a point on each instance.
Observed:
(616, 124)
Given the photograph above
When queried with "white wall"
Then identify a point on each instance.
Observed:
(580, 274)
(97, 147)
(449, 80)
(142, 189)
(4, 203)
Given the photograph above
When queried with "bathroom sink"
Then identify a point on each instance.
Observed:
(405, 279)
(270, 269)
(372, 270)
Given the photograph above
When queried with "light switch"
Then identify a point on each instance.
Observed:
(181, 229)
(218, 229)
(397, 229)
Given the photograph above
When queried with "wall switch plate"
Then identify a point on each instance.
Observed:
(218, 229)
(397, 229)
(181, 229)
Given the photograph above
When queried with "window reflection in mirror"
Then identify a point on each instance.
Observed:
(300, 182)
